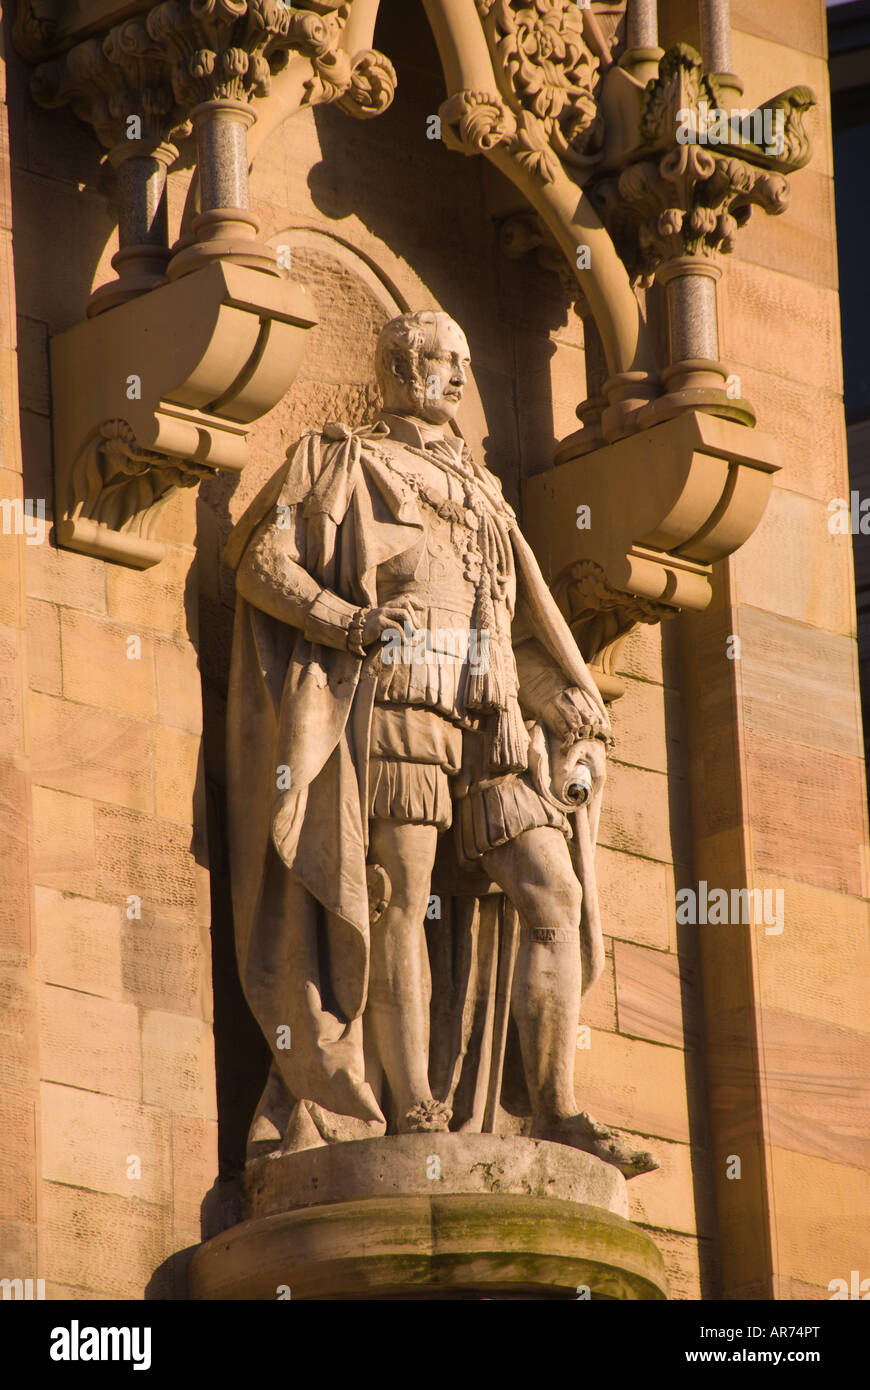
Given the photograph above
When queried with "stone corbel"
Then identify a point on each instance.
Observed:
(159, 393)
(602, 618)
(192, 342)
(663, 506)
(35, 27)
(524, 233)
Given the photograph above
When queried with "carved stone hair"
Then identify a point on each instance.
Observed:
(409, 335)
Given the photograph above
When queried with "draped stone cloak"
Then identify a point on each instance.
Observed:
(298, 717)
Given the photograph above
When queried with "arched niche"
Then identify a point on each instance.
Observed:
(355, 297)
(555, 194)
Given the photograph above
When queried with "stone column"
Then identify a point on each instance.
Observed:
(715, 20)
(120, 86)
(693, 369)
(695, 378)
(642, 52)
(143, 227)
(225, 228)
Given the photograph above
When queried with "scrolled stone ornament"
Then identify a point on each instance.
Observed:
(372, 85)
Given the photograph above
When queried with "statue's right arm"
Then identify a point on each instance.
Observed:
(270, 579)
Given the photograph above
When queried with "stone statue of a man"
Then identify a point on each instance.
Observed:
(404, 690)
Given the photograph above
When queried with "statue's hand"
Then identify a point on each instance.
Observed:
(572, 714)
(389, 615)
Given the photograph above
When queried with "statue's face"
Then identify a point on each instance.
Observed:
(445, 372)
(435, 391)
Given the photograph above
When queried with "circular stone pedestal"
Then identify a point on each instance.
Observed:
(449, 1216)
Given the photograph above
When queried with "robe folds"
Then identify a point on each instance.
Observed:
(298, 719)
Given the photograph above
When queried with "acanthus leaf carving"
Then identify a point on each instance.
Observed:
(548, 74)
(601, 617)
(107, 82)
(476, 122)
(219, 48)
(231, 49)
(159, 65)
(118, 487)
(532, 150)
(682, 85)
(691, 202)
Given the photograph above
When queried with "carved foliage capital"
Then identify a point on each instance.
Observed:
(107, 81)
(162, 64)
(690, 202)
(221, 48)
(699, 169)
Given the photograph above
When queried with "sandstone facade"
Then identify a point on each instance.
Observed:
(130, 1058)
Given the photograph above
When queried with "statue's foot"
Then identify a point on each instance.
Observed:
(583, 1132)
(427, 1117)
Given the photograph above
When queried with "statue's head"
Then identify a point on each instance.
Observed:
(422, 366)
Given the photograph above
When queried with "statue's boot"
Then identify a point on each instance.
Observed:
(426, 1117)
(583, 1132)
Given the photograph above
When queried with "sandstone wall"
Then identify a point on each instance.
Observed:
(776, 752)
(119, 1048)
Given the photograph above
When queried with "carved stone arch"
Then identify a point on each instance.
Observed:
(483, 115)
(481, 101)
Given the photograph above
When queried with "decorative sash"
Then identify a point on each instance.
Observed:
(490, 686)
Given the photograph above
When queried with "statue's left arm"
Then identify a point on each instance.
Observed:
(547, 696)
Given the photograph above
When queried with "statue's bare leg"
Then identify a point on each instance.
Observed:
(400, 983)
(537, 874)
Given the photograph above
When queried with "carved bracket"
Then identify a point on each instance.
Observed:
(523, 233)
(663, 506)
(602, 618)
(141, 407)
(190, 343)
